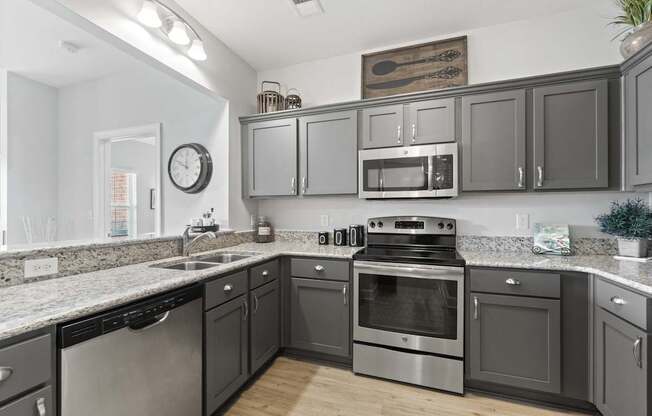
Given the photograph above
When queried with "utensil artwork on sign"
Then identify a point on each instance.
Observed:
(430, 66)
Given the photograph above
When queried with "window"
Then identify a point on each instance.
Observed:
(123, 204)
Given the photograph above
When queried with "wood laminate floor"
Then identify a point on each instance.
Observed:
(298, 388)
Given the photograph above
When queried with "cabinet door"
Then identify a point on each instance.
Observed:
(431, 121)
(493, 141)
(382, 127)
(328, 145)
(265, 329)
(227, 337)
(320, 319)
(571, 136)
(272, 158)
(638, 107)
(515, 341)
(621, 367)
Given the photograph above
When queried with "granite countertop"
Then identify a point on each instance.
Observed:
(32, 306)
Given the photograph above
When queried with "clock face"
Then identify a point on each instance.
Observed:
(190, 168)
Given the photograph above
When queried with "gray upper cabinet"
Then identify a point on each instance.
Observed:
(431, 122)
(493, 141)
(265, 330)
(638, 122)
(226, 351)
(319, 316)
(383, 127)
(328, 146)
(622, 380)
(571, 136)
(272, 158)
(515, 341)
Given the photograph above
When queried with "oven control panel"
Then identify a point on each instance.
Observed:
(412, 225)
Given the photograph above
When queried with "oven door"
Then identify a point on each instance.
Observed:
(416, 307)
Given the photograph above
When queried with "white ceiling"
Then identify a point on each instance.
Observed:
(269, 34)
(29, 46)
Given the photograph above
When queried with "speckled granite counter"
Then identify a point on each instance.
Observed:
(36, 305)
(637, 276)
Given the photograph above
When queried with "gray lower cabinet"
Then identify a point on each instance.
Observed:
(515, 341)
(571, 136)
(226, 351)
(35, 404)
(265, 330)
(328, 148)
(493, 141)
(382, 127)
(623, 386)
(272, 158)
(431, 121)
(638, 123)
(320, 317)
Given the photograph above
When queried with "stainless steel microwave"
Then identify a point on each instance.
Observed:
(429, 171)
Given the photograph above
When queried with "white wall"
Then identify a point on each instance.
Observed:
(562, 42)
(567, 41)
(131, 99)
(32, 157)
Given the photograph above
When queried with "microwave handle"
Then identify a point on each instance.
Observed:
(430, 172)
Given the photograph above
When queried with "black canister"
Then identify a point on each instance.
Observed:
(356, 235)
(340, 236)
(323, 238)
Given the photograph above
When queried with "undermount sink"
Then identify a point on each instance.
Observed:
(188, 266)
(225, 257)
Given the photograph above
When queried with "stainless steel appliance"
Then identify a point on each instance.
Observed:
(144, 359)
(408, 310)
(409, 172)
(356, 235)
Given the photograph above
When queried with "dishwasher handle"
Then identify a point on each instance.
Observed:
(149, 323)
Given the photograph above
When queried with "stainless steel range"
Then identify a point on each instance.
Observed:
(408, 312)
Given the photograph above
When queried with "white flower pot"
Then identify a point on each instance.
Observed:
(634, 247)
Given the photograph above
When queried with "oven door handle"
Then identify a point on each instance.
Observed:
(408, 268)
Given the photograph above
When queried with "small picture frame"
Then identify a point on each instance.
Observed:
(552, 239)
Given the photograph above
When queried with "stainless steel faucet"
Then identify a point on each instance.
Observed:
(188, 244)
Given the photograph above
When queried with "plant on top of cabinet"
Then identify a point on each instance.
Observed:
(631, 222)
(637, 19)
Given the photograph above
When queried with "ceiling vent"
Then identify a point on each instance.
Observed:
(305, 8)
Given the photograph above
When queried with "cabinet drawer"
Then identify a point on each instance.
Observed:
(628, 305)
(320, 269)
(262, 274)
(226, 288)
(26, 364)
(516, 282)
(29, 405)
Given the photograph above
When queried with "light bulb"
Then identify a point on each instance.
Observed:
(148, 15)
(197, 51)
(178, 34)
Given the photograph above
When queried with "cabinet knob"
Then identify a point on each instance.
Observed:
(319, 268)
(228, 288)
(618, 301)
(513, 282)
(5, 373)
(265, 273)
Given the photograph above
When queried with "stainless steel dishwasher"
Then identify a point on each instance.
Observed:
(143, 359)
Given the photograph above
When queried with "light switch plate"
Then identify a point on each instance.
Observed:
(522, 221)
(41, 267)
(324, 220)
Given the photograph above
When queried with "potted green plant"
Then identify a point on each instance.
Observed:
(637, 22)
(631, 222)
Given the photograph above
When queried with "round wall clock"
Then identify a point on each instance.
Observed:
(190, 168)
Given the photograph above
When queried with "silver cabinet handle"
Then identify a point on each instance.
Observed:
(228, 288)
(303, 185)
(638, 358)
(513, 282)
(521, 177)
(293, 183)
(344, 295)
(319, 267)
(246, 310)
(265, 273)
(5, 373)
(475, 307)
(414, 133)
(40, 406)
(540, 173)
(618, 301)
(255, 304)
(398, 134)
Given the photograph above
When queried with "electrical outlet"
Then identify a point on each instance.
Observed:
(522, 221)
(41, 267)
(324, 220)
